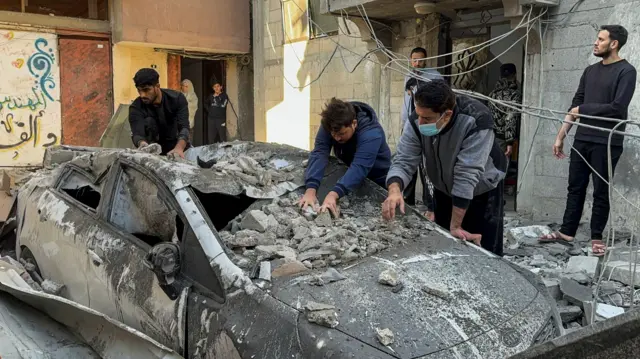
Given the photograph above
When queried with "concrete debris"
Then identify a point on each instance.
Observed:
(388, 277)
(316, 239)
(620, 272)
(581, 264)
(385, 336)
(330, 276)
(51, 287)
(569, 313)
(289, 268)
(608, 311)
(580, 277)
(436, 292)
(575, 293)
(527, 235)
(398, 288)
(265, 271)
(256, 220)
(553, 286)
(322, 314)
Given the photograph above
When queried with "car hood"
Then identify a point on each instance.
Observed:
(449, 298)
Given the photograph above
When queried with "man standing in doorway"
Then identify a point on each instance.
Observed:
(419, 63)
(605, 90)
(216, 108)
(506, 119)
(455, 136)
(158, 115)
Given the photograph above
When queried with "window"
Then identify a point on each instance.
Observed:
(86, 9)
(303, 19)
(139, 210)
(82, 189)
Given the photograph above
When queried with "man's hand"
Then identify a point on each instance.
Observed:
(394, 199)
(331, 203)
(558, 149)
(308, 199)
(575, 112)
(177, 151)
(466, 236)
(430, 216)
(142, 144)
(508, 151)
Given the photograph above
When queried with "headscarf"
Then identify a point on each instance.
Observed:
(192, 99)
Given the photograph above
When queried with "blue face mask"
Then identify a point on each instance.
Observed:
(430, 129)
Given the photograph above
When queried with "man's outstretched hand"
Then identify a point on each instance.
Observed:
(466, 236)
(394, 200)
(309, 199)
(331, 203)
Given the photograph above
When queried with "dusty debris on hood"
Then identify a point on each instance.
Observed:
(51, 287)
(348, 238)
(388, 277)
(436, 292)
(385, 336)
(322, 314)
(330, 276)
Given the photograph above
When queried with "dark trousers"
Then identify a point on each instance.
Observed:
(217, 130)
(485, 216)
(595, 155)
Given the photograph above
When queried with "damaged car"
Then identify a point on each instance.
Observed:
(211, 257)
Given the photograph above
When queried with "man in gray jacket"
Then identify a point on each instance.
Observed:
(463, 161)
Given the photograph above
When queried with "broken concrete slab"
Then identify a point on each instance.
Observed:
(580, 277)
(608, 311)
(527, 235)
(569, 313)
(553, 287)
(289, 269)
(274, 252)
(51, 287)
(385, 336)
(323, 219)
(574, 292)
(587, 265)
(620, 271)
(255, 220)
(265, 271)
(388, 277)
(322, 314)
(436, 292)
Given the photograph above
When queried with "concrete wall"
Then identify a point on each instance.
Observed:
(127, 60)
(567, 50)
(30, 111)
(206, 25)
(287, 111)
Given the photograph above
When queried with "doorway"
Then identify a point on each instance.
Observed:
(202, 73)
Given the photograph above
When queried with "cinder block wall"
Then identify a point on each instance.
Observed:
(567, 51)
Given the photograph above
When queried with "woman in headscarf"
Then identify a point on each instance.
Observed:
(192, 99)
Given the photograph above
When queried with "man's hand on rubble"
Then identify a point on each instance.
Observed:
(142, 144)
(430, 215)
(309, 199)
(331, 203)
(466, 236)
(176, 152)
(394, 199)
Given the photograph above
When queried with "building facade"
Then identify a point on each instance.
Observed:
(68, 65)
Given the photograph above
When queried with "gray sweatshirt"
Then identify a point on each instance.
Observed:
(462, 161)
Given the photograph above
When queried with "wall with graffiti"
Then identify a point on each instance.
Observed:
(30, 115)
(469, 64)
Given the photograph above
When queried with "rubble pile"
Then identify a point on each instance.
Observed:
(295, 241)
(570, 273)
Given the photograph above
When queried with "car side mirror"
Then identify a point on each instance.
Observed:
(164, 261)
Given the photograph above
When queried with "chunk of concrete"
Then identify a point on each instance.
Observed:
(244, 238)
(288, 269)
(574, 292)
(579, 277)
(527, 235)
(272, 252)
(324, 219)
(51, 287)
(385, 336)
(608, 311)
(322, 314)
(587, 265)
(619, 271)
(569, 313)
(265, 271)
(255, 220)
(553, 287)
(388, 277)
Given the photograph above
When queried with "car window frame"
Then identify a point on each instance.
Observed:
(67, 170)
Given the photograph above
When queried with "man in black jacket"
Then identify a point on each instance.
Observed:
(216, 109)
(605, 90)
(159, 115)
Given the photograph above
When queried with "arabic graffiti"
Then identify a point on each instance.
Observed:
(30, 109)
(40, 67)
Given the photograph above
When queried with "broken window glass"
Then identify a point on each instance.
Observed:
(139, 210)
(222, 208)
(82, 189)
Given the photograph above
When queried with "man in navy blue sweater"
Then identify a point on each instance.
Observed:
(352, 130)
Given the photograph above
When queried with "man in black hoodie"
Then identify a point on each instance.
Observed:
(352, 130)
(216, 109)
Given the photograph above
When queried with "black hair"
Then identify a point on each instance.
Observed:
(507, 70)
(616, 32)
(435, 95)
(419, 49)
(336, 115)
(146, 77)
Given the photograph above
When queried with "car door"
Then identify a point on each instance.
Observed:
(58, 220)
(141, 213)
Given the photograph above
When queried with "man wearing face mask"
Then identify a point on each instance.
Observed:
(465, 164)
(352, 131)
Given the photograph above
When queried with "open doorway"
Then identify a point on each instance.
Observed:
(202, 73)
